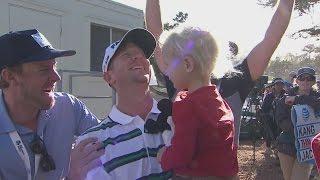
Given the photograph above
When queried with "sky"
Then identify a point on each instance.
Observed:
(240, 21)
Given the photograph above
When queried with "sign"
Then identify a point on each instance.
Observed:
(306, 125)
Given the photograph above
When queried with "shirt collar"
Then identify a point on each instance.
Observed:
(117, 116)
(6, 124)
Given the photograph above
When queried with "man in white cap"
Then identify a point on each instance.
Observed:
(130, 144)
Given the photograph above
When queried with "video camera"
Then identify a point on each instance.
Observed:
(250, 120)
(256, 92)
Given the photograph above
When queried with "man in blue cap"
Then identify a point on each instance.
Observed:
(301, 94)
(37, 125)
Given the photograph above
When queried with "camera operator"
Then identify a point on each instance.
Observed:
(268, 109)
(266, 90)
(301, 94)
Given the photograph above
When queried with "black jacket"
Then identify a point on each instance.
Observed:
(283, 111)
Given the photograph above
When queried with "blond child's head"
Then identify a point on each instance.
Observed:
(189, 55)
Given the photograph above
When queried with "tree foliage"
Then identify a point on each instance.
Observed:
(282, 67)
(308, 32)
(181, 17)
(303, 7)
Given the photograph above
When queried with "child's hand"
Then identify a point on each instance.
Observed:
(160, 152)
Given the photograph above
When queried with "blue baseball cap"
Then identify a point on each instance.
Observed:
(27, 46)
(306, 70)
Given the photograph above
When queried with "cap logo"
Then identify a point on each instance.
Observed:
(114, 44)
(41, 40)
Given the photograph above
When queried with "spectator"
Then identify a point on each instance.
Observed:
(301, 94)
(268, 109)
(37, 125)
(292, 77)
(267, 89)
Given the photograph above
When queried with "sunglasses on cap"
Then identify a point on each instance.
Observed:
(306, 78)
(37, 147)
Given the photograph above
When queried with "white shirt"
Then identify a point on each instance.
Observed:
(130, 153)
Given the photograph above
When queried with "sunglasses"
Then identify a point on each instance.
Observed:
(37, 147)
(306, 78)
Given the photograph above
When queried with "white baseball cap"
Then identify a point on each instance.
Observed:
(139, 36)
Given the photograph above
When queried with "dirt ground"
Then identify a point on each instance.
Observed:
(263, 165)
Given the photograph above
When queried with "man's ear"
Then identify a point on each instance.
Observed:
(189, 63)
(7, 75)
(109, 78)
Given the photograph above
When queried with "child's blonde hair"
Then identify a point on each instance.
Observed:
(194, 42)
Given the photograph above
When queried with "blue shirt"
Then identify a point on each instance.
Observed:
(68, 118)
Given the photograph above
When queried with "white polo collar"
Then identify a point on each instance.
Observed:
(122, 118)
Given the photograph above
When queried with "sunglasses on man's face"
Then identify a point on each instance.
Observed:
(37, 147)
(306, 78)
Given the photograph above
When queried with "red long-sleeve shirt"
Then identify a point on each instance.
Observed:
(203, 141)
(315, 145)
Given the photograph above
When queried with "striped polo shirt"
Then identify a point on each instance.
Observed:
(130, 153)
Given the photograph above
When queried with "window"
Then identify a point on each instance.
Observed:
(101, 38)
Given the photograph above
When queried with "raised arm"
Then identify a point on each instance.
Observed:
(154, 25)
(259, 57)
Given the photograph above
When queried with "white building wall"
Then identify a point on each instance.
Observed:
(66, 24)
